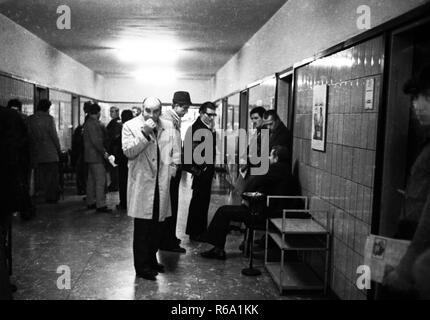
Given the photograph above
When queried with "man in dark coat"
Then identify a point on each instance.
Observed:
(29, 209)
(279, 133)
(201, 134)
(277, 181)
(13, 139)
(46, 150)
(114, 129)
(78, 162)
(95, 155)
(415, 221)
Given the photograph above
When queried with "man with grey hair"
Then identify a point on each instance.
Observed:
(136, 111)
(149, 143)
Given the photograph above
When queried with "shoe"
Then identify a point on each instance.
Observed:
(159, 268)
(214, 254)
(147, 274)
(104, 210)
(177, 249)
(197, 238)
(91, 206)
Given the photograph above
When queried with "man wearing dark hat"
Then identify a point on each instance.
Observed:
(181, 103)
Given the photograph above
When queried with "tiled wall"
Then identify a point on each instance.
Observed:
(340, 179)
(16, 89)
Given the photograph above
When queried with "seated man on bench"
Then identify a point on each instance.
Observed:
(277, 181)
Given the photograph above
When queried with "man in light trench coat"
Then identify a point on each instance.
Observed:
(149, 143)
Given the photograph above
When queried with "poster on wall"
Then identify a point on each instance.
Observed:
(319, 115)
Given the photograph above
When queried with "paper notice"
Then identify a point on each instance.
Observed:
(369, 94)
(381, 252)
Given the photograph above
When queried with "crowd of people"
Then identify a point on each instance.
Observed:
(145, 157)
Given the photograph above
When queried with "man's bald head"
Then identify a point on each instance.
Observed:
(151, 108)
(151, 102)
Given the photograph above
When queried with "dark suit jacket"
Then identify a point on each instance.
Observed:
(114, 129)
(44, 139)
(94, 141)
(277, 181)
(203, 173)
(14, 161)
(280, 137)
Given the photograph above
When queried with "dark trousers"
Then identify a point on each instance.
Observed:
(49, 180)
(220, 224)
(169, 239)
(197, 221)
(146, 240)
(122, 181)
(114, 179)
(28, 210)
(146, 237)
(5, 290)
(81, 175)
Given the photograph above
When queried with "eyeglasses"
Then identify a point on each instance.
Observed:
(213, 115)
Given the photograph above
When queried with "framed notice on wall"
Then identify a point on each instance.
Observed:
(319, 117)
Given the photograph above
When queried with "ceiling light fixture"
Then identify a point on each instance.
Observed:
(148, 51)
(155, 75)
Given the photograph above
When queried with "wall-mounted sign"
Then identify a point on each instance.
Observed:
(369, 94)
(319, 115)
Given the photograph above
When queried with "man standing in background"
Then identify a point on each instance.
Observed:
(29, 209)
(13, 140)
(95, 156)
(46, 150)
(201, 133)
(136, 111)
(114, 135)
(180, 105)
(78, 162)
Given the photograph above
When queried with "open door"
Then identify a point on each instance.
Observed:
(284, 105)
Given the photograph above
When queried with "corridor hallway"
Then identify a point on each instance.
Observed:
(98, 250)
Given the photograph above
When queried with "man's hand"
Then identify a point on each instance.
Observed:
(173, 170)
(148, 126)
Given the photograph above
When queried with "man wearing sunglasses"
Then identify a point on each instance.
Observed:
(201, 134)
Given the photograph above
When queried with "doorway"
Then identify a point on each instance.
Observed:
(39, 94)
(404, 137)
(284, 105)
